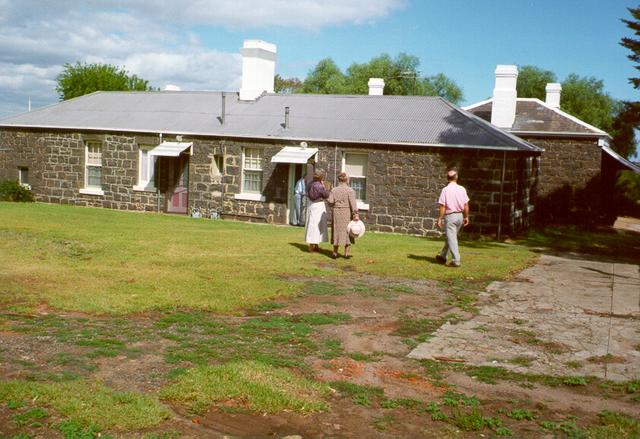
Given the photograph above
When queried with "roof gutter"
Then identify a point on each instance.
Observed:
(560, 134)
(291, 139)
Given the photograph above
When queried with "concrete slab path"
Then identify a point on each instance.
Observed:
(566, 315)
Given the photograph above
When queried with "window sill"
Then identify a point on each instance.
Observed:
(250, 197)
(144, 189)
(362, 206)
(91, 191)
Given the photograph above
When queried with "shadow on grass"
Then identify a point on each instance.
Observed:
(305, 248)
(431, 259)
(604, 245)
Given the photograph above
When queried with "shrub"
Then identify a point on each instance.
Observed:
(11, 190)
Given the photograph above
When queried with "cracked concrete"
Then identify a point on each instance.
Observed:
(569, 315)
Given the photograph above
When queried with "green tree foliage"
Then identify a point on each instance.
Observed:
(585, 98)
(325, 78)
(532, 81)
(81, 79)
(630, 182)
(441, 85)
(633, 44)
(625, 123)
(400, 74)
(286, 85)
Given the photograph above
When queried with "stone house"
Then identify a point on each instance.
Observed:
(238, 155)
(578, 169)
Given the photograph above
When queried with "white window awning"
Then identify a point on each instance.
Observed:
(294, 154)
(170, 149)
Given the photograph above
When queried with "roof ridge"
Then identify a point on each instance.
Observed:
(328, 95)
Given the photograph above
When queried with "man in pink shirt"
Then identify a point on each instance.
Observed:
(454, 210)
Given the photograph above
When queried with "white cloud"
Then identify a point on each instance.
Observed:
(153, 39)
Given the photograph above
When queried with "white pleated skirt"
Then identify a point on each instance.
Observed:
(315, 230)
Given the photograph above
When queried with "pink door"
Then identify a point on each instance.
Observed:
(178, 198)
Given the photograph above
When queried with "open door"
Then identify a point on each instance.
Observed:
(178, 191)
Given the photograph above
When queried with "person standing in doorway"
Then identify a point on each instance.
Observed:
(453, 215)
(299, 202)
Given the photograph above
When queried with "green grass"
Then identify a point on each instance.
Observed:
(573, 239)
(415, 331)
(88, 404)
(260, 387)
(520, 414)
(106, 261)
(360, 394)
(30, 417)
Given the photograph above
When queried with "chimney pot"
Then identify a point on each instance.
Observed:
(286, 118)
(553, 90)
(376, 86)
(258, 69)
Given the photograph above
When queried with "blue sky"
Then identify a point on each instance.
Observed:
(194, 44)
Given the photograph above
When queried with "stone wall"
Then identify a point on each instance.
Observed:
(569, 189)
(56, 167)
(403, 183)
(403, 187)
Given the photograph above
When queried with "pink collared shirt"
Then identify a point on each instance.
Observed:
(453, 197)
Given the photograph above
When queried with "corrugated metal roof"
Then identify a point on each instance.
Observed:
(533, 115)
(340, 118)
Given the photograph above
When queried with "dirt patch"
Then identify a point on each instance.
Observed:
(143, 373)
(368, 348)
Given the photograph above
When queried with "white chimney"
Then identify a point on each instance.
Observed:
(553, 90)
(376, 86)
(503, 110)
(258, 68)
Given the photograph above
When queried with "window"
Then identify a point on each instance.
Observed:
(355, 165)
(93, 165)
(23, 175)
(252, 171)
(217, 165)
(146, 170)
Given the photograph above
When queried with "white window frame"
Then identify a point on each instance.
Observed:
(148, 184)
(362, 204)
(91, 190)
(20, 170)
(253, 196)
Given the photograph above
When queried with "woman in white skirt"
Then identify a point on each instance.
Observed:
(315, 230)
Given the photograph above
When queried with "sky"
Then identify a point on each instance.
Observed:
(194, 44)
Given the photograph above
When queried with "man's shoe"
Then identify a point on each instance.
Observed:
(441, 260)
(454, 265)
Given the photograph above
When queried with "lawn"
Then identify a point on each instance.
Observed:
(110, 262)
(193, 328)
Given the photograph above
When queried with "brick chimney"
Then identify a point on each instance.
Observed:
(376, 86)
(553, 90)
(503, 110)
(258, 69)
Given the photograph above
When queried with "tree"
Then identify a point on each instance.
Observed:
(441, 85)
(325, 78)
(585, 98)
(81, 79)
(633, 44)
(286, 85)
(532, 82)
(623, 129)
(400, 74)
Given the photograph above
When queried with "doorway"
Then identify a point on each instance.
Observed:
(296, 199)
(177, 195)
